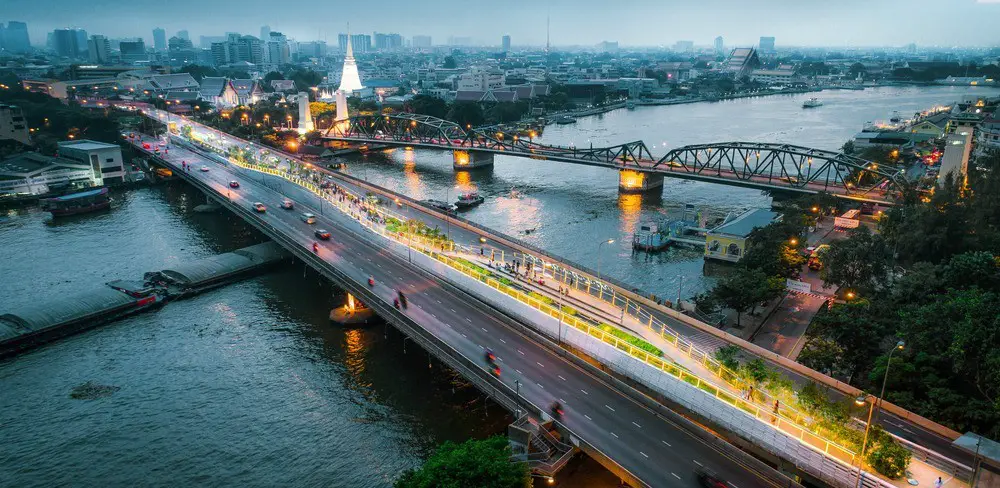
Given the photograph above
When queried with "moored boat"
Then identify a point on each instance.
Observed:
(812, 103)
(78, 203)
(469, 200)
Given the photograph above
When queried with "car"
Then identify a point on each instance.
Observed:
(709, 479)
(204, 169)
(308, 218)
(259, 207)
(234, 184)
(322, 234)
(287, 204)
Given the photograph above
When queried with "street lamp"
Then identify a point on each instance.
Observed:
(609, 241)
(861, 400)
(899, 347)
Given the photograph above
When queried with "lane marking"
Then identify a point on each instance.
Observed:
(439, 301)
(667, 443)
(609, 407)
(644, 454)
(503, 341)
(540, 364)
(588, 417)
(675, 476)
(453, 311)
(484, 329)
(696, 462)
(520, 351)
(518, 371)
(560, 377)
(540, 385)
(637, 425)
(584, 392)
(467, 319)
(616, 435)
(563, 401)
(465, 336)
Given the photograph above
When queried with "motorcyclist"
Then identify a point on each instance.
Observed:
(490, 357)
(315, 247)
(556, 409)
(402, 298)
(371, 280)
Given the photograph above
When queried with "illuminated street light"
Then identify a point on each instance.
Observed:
(609, 241)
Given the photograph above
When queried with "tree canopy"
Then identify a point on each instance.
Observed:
(481, 463)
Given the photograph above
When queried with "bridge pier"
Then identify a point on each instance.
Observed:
(631, 181)
(471, 159)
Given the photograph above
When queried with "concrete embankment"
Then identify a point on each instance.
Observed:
(55, 316)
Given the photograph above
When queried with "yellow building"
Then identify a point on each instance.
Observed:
(728, 242)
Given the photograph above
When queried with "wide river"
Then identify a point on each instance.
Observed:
(250, 385)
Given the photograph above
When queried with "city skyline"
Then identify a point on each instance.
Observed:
(573, 23)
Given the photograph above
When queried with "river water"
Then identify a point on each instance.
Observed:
(570, 209)
(250, 385)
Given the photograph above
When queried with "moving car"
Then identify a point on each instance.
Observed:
(308, 218)
(259, 207)
(204, 169)
(234, 184)
(709, 479)
(287, 204)
(322, 234)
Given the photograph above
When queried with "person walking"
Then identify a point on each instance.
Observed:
(938, 483)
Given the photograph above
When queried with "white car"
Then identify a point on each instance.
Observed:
(204, 169)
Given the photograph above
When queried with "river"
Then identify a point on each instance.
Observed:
(250, 385)
(569, 210)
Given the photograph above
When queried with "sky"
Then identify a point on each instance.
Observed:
(945, 23)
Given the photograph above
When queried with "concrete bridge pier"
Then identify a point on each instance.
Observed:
(631, 181)
(471, 159)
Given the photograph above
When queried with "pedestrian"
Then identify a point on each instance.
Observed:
(750, 393)
(938, 483)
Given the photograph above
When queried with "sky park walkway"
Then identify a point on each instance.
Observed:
(592, 317)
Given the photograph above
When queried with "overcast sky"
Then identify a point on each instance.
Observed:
(574, 22)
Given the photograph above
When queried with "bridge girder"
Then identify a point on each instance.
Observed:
(796, 167)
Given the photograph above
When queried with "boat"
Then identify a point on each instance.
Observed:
(78, 203)
(442, 206)
(630, 104)
(469, 200)
(565, 119)
(812, 103)
(895, 118)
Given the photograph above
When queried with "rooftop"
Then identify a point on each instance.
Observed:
(743, 225)
(26, 163)
(86, 145)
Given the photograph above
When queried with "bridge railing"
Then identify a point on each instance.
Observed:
(785, 419)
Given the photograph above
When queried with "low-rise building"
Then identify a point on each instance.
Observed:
(30, 174)
(957, 150)
(988, 138)
(107, 157)
(775, 76)
(728, 242)
(219, 92)
(13, 126)
(248, 92)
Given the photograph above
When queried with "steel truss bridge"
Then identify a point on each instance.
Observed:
(764, 166)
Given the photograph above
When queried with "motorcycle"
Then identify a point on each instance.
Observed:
(402, 299)
(371, 281)
(556, 410)
(316, 248)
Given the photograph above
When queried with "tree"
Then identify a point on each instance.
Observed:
(449, 62)
(268, 78)
(428, 105)
(481, 463)
(198, 71)
(466, 114)
(860, 263)
(305, 79)
(745, 289)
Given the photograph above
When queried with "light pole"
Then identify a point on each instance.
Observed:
(881, 397)
(448, 201)
(517, 397)
(861, 400)
(609, 241)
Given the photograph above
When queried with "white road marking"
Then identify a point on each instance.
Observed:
(637, 425)
(465, 336)
(562, 401)
(696, 462)
(585, 392)
(540, 364)
(588, 417)
(484, 329)
(675, 476)
(503, 341)
(644, 454)
(467, 319)
(609, 407)
(616, 435)
(560, 377)
(667, 443)
(520, 351)
(453, 311)
(540, 385)
(518, 371)
(439, 301)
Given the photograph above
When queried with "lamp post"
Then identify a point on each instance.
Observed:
(861, 400)
(609, 241)
(881, 397)
(447, 198)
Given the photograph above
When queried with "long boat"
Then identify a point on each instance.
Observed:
(78, 203)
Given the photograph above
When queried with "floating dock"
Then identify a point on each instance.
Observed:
(51, 318)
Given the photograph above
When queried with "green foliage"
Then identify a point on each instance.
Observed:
(886, 456)
(449, 62)
(745, 288)
(53, 121)
(466, 114)
(198, 71)
(631, 339)
(481, 463)
(305, 79)
(729, 356)
(860, 263)
(428, 105)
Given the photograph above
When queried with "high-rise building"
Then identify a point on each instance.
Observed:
(265, 32)
(159, 39)
(720, 46)
(684, 46)
(249, 49)
(133, 50)
(421, 42)
(607, 46)
(81, 40)
(205, 42)
(99, 49)
(386, 42)
(178, 43)
(183, 34)
(14, 37)
(505, 43)
(221, 53)
(766, 45)
(277, 48)
(66, 42)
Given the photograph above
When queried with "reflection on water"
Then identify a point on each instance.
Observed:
(568, 204)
